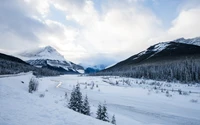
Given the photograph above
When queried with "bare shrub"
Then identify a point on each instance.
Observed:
(180, 92)
(33, 85)
(167, 94)
(194, 100)
(42, 95)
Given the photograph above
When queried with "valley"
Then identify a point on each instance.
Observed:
(132, 101)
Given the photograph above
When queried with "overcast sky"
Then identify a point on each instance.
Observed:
(95, 31)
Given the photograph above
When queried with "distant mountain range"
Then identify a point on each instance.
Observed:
(12, 65)
(165, 51)
(173, 60)
(49, 62)
(95, 68)
(48, 57)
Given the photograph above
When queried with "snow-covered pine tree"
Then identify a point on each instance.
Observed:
(113, 121)
(104, 113)
(99, 112)
(86, 106)
(76, 102)
(72, 101)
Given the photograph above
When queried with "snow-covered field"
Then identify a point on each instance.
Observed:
(132, 101)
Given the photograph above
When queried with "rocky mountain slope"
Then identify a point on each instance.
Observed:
(171, 61)
(49, 57)
(12, 65)
(165, 51)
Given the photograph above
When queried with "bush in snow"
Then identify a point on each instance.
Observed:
(180, 92)
(167, 94)
(92, 85)
(194, 100)
(33, 85)
(65, 95)
(185, 93)
(113, 121)
(42, 95)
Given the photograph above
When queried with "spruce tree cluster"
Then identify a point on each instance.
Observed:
(102, 113)
(76, 102)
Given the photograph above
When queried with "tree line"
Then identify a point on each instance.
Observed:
(11, 67)
(186, 71)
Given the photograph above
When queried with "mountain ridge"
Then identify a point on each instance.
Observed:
(154, 50)
(13, 65)
(49, 57)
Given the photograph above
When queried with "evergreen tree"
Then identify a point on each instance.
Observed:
(99, 112)
(113, 121)
(76, 102)
(104, 114)
(86, 106)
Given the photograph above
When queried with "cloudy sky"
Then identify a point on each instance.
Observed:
(95, 31)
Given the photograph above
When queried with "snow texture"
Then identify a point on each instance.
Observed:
(132, 101)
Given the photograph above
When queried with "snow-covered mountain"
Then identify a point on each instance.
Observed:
(92, 69)
(193, 41)
(47, 52)
(12, 65)
(164, 51)
(50, 58)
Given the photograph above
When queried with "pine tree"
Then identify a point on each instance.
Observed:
(86, 106)
(104, 113)
(76, 102)
(113, 121)
(99, 112)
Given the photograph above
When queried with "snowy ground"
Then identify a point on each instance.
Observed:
(133, 101)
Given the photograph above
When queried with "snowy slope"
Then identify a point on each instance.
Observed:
(18, 107)
(50, 58)
(133, 101)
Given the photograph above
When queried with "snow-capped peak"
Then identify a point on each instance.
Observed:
(193, 41)
(49, 49)
(47, 52)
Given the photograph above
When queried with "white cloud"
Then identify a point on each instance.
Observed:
(187, 24)
(121, 29)
(38, 7)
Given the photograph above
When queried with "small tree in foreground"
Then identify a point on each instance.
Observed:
(102, 113)
(75, 102)
(99, 112)
(33, 85)
(86, 106)
(113, 121)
